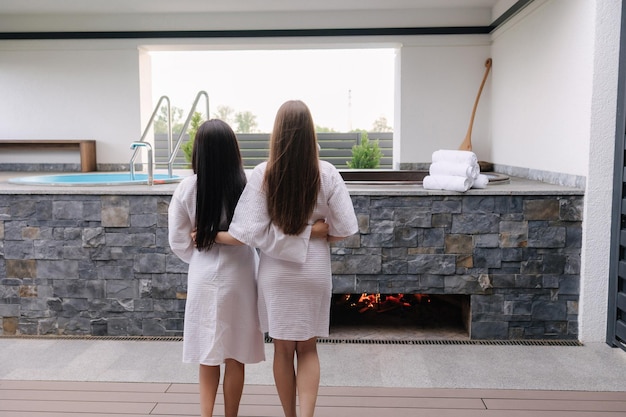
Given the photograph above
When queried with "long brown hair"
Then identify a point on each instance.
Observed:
(216, 161)
(292, 177)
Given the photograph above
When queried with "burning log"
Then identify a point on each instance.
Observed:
(392, 302)
(369, 301)
(413, 311)
(380, 303)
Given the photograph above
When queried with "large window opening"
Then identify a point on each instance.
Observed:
(346, 89)
(349, 92)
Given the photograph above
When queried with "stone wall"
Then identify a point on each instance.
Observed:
(517, 257)
(100, 264)
(89, 265)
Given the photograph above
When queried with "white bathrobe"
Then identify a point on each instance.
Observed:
(294, 297)
(221, 319)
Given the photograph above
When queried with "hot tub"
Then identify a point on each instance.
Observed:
(94, 179)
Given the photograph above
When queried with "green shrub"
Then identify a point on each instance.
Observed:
(365, 155)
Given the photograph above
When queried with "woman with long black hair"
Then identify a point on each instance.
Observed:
(221, 321)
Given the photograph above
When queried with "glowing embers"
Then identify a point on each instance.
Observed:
(399, 316)
(381, 303)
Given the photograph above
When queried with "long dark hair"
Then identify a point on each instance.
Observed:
(292, 177)
(216, 161)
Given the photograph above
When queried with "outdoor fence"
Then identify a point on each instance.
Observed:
(336, 148)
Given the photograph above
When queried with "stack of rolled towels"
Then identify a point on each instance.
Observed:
(454, 170)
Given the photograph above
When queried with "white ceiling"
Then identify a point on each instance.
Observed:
(66, 16)
(26, 7)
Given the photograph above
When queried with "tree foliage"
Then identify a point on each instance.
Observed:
(322, 129)
(225, 113)
(246, 122)
(380, 125)
(160, 122)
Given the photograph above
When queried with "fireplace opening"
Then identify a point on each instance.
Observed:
(400, 316)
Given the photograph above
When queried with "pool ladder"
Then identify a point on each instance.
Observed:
(135, 146)
(172, 148)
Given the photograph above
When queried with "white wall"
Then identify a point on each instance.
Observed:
(101, 90)
(440, 79)
(72, 90)
(554, 105)
(598, 197)
(541, 88)
(97, 81)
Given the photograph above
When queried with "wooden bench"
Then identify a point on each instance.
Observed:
(86, 147)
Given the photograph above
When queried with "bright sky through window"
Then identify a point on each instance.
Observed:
(344, 88)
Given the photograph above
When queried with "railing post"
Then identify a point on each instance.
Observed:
(147, 129)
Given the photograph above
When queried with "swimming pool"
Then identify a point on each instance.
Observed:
(94, 179)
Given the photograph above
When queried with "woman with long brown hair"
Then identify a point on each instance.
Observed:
(291, 191)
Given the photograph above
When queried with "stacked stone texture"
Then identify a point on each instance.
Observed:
(101, 265)
(517, 258)
(89, 265)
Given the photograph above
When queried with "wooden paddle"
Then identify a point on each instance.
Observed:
(466, 145)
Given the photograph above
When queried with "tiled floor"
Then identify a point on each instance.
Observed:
(120, 399)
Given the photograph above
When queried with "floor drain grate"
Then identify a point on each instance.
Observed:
(447, 342)
(337, 341)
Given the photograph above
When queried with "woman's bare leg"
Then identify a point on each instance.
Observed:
(285, 375)
(234, 375)
(308, 376)
(209, 380)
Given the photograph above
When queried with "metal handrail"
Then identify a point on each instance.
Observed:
(170, 162)
(147, 129)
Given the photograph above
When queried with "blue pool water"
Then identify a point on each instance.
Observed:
(88, 179)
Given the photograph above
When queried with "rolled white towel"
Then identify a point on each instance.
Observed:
(453, 168)
(447, 182)
(463, 157)
(481, 181)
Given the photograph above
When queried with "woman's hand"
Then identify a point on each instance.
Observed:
(222, 237)
(226, 238)
(319, 229)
